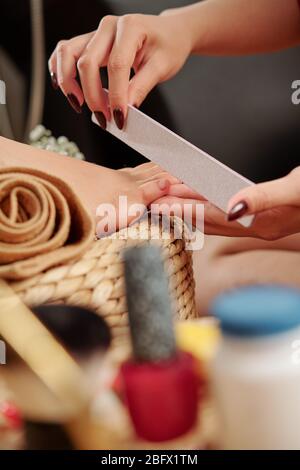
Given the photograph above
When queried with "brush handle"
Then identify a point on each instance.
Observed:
(40, 350)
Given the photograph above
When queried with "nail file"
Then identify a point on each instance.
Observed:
(196, 168)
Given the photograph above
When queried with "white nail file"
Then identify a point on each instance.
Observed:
(198, 170)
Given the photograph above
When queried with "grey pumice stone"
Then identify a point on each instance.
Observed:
(149, 305)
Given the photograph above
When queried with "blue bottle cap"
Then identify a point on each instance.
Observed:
(258, 310)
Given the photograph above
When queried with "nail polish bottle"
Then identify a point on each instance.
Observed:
(12, 435)
(255, 375)
(160, 382)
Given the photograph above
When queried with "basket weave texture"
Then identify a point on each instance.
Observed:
(96, 280)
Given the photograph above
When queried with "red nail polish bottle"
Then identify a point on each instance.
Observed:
(160, 382)
(11, 414)
(162, 397)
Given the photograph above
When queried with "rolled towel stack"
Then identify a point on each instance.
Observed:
(42, 223)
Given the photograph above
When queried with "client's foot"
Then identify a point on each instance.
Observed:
(136, 189)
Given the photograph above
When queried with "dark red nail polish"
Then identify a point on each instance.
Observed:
(119, 118)
(54, 81)
(74, 103)
(101, 119)
(237, 211)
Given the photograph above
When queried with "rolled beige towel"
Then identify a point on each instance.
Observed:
(42, 223)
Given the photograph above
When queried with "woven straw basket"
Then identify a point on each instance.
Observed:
(96, 280)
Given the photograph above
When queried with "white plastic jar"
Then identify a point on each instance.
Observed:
(256, 372)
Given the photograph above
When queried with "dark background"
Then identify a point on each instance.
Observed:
(238, 109)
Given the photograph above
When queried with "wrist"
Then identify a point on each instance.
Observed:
(181, 24)
(192, 27)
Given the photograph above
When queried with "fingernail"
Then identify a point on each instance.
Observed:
(119, 118)
(237, 211)
(74, 103)
(54, 81)
(101, 119)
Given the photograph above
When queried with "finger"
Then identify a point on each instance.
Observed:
(95, 56)
(128, 41)
(257, 198)
(66, 54)
(147, 77)
(276, 223)
(214, 219)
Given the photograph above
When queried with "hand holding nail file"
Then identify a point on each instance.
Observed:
(201, 172)
(160, 382)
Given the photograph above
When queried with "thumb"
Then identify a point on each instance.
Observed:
(260, 197)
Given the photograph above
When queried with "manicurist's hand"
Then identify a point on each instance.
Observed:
(275, 204)
(156, 47)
